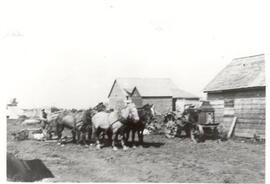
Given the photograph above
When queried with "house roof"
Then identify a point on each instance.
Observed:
(154, 87)
(245, 72)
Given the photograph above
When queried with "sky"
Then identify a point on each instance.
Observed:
(68, 53)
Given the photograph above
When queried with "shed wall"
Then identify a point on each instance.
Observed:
(180, 103)
(248, 106)
(162, 104)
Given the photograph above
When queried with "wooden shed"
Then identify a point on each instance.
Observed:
(239, 91)
(161, 92)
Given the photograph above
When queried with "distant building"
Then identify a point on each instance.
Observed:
(239, 90)
(13, 111)
(161, 92)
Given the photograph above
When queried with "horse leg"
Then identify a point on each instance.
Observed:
(89, 136)
(74, 134)
(122, 138)
(133, 138)
(83, 137)
(140, 137)
(187, 129)
(98, 145)
(109, 134)
(114, 140)
(96, 136)
(122, 132)
(127, 134)
(59, 130)
(80, 137)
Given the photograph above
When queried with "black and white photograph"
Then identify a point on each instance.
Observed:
(149, 91)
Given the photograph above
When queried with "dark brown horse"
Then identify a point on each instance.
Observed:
(146, 113)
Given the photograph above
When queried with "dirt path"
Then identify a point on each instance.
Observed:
(162, 160)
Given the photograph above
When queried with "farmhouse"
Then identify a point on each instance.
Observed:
(239, 91)
(161, 92)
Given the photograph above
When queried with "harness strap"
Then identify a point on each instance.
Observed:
(114, 122)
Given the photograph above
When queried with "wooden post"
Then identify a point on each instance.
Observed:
(232, 128)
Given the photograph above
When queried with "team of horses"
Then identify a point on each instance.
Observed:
(93, 124)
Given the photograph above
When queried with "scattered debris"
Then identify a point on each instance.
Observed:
(25, 134)
(31, 121)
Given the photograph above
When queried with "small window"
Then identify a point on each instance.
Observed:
(228, 103)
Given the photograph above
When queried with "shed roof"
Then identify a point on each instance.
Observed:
(245, 72)
(154, 87)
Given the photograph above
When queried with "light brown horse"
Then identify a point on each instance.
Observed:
(113, 123)
(78, 122)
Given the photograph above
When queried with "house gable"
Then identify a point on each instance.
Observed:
(116, 91)
(135, 93)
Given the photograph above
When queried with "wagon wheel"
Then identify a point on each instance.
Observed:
(197, 133)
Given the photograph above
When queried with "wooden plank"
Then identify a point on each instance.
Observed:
(232, 128)
(248, 132)
(260, 104)
(250, 116)
(248, 107)
(250, 99)
(250, 121)
(242, 110)
(242, 120)
(247, 128)
(244, 134)
(254, 111)
(250, 126)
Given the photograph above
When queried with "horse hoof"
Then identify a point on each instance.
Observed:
(115, 148)
(62, 145)
(86, 145)
(59, 143)
(125, 148)
(134, 147)
(98, 147)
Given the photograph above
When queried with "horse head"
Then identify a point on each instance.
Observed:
(147, 113)
(191, 114)
(100, 107)
(89, 113)
(130, 112)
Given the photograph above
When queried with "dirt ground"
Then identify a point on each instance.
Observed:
(161, 160)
